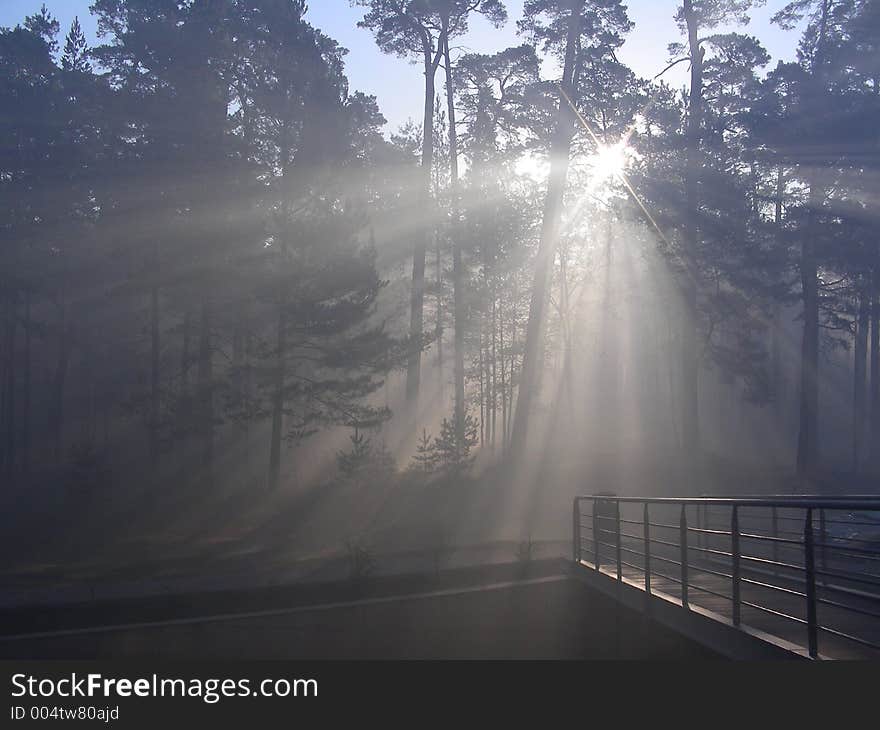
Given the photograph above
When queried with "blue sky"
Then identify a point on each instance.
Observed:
(397, 84)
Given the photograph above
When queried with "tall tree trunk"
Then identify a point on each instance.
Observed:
(91, 361)
(26, 391)
(105, 416)
(777, 376)
(247, 380)
(778, 205)
(9, 385)
(438, 325)
(608, 368)
(240, 355)
(503, 376)
(482, 388)
(154, 362)
(860, 381)
(5, 364)
(552, 214)
(206, 395)
(494, 361)
(777, 329)
(277, 404)
(417, 294)
(185, 353)
(58, 388)
(457, 272)
(185, 417)
(512, 346)
(689, 395)
(671, 338)
(875, 368)
(808, 437)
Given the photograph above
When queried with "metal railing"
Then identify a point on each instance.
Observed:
(798, 567)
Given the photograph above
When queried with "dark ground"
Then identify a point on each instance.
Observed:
(540, 614)
(57, 547)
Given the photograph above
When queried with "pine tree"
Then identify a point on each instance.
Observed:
(425, 459)
(76, 50)
(365, 461)
(576, 33)
(352, 461)
(454, 454)
(414, 28)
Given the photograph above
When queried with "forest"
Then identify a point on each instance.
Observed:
(241, 319)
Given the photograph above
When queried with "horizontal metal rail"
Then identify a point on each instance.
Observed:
(845, 504)
(783, 572)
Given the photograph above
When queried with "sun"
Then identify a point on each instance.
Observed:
(533, 166)
(608, 162)
(606, 165)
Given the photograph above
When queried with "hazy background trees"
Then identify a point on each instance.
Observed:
(230, 294)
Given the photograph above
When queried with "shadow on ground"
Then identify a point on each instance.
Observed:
(502, 612)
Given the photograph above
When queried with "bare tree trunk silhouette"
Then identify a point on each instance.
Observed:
(417, 293)
(860, 363)
(690, 371)
(559, 150)
(457, 272)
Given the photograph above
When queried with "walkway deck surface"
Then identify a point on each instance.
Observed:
(779, 594)
(550, 617)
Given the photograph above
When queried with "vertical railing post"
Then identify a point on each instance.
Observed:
(576, 530)
(647, 551)
(775, 521)
(683, 540)
(823, 537)
(810, 565)
(734, 552)
(596, 558)
(701, 523)
(617, 544)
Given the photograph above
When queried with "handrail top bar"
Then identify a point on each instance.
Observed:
(838, 504)
(869, 497)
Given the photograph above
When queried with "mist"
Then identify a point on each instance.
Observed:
(252, 336)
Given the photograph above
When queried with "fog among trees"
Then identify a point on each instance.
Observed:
(243, 321)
